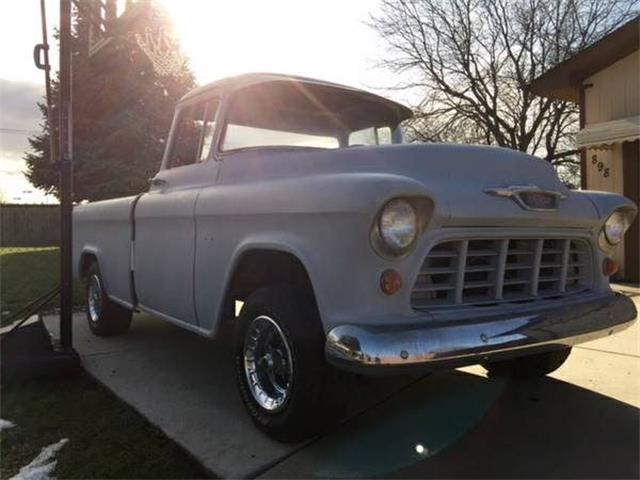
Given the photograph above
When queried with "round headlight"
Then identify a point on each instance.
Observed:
(615, 227)
(398, 225)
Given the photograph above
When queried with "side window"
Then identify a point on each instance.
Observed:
(186, 136)
(370, 136)
(209, 128)
(384, 136)
(366, 136)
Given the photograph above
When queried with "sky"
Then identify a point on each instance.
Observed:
(325, 39)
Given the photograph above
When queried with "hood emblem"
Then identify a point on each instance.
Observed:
(529, 197)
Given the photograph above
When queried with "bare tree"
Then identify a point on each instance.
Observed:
(472, 60)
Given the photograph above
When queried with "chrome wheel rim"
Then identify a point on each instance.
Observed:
(94, 298)
(268, 365)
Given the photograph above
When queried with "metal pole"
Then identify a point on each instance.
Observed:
(47, 82)
(65, 127)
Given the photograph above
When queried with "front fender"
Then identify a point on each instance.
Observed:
(606, 202)
(322, 220)
(280, 243)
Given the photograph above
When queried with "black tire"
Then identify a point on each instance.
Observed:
(317, 394)
(109, 318)
(530, 366)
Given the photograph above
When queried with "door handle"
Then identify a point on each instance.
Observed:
(156, 182)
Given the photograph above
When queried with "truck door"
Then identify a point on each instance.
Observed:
(165, 228)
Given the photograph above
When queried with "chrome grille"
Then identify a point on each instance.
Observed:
(491, 271)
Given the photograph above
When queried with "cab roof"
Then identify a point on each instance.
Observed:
(231, 84)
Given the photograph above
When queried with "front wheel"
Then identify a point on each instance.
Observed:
(289, 390)
(530, 366)
(105, 317)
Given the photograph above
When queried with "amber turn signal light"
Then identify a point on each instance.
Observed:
(390, 282)
(609, 267)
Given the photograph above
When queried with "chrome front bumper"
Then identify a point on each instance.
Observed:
(387, 348)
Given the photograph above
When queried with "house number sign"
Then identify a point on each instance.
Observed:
(600, 166)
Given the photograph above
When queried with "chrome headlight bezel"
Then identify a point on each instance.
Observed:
(396, 228)
(614, 228)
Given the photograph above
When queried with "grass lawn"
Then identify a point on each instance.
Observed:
(26, 274)
(107, 439)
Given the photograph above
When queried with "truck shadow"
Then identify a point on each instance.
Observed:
(450, 424)
(456, 424)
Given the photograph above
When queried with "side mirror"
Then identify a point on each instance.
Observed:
(156, 182)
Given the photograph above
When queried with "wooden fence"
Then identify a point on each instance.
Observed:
(29, 225)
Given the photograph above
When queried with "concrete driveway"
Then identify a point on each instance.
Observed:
(582, 421)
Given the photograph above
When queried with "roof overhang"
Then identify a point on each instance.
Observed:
(239, 82)
(603, 135)
(563, 82)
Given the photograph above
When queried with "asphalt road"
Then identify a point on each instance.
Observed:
(581, 422)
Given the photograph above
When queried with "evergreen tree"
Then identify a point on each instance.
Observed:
(122, 111)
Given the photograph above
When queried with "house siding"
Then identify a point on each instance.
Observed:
(613, 94)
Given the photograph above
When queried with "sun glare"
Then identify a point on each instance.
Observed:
(329, 40)
(313, 39)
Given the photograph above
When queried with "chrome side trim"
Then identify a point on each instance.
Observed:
(380, 349)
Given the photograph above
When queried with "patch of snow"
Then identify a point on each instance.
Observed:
(5, 424)
(41, 467)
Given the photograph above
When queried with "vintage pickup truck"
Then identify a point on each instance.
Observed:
(350, 250)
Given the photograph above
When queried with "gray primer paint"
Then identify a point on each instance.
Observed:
(319, 206)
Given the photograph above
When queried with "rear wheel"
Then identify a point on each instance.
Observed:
(105, 317)
(289, 390)
(530, 366)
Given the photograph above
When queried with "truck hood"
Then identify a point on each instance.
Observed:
(454, 176)
(458, 177)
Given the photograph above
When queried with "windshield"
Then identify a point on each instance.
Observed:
(294, 115)
(241, 136)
